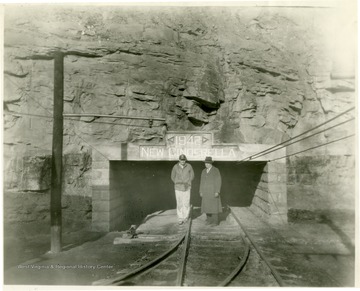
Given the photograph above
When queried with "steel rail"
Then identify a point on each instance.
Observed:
(273, 271)
(115, 280)
(242, 263)
(238, 268)
(180, 276)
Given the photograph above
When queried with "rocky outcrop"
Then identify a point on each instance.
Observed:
(27, 185)
(28, 174)
(195, 67)
(33, 174)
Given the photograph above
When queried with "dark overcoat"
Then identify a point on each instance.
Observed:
(210, 184)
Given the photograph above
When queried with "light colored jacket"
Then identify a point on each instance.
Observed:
(182, 177)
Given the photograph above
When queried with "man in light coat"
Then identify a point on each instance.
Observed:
(182, 175)
(210, 186)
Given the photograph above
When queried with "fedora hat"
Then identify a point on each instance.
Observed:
(208, 160)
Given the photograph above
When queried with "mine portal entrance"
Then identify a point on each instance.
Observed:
(144, 187)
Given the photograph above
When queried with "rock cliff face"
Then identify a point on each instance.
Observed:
(250, 75)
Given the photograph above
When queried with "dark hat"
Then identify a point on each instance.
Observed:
(208, 160)
(182, 157)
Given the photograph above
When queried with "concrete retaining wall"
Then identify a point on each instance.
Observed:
(321, 184)
(270, 199)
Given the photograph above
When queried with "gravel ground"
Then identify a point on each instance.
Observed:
(311, 254)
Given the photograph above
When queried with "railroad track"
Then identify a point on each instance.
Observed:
(203, 256)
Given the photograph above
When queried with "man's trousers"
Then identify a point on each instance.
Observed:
(182, 204)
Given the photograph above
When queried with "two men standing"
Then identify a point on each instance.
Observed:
(182, 175)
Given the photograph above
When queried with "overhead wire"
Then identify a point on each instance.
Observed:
(66, 118)
(255, 163)
(341, 123)
(44, 116)
(88, 142)
(110, 123)
(306, 137)
(21, 114)
(249, 158)
(351, 135)
(49, 117)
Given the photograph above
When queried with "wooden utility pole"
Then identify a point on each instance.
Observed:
(57, 150)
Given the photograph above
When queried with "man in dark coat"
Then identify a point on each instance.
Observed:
(210, 185)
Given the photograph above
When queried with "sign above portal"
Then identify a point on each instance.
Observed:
(189, 140)
(195, 145)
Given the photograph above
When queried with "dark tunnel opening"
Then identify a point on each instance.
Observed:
(146, 186)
